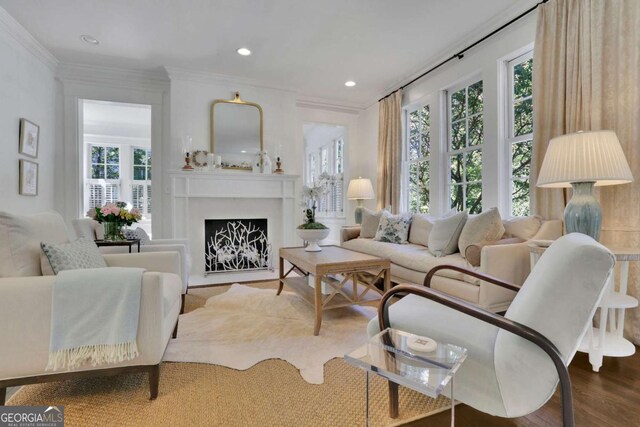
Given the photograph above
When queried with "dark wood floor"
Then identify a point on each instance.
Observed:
(608, 398)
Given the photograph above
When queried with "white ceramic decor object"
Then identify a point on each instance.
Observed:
(312, 237)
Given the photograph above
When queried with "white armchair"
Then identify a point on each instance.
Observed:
(89, 228)
(26, 298)
(514, 362)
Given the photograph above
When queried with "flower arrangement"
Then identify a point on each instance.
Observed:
(114, 216)
(310, 197)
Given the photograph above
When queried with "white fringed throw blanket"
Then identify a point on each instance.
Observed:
(94, 317)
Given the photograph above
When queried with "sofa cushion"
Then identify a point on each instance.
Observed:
(20, 237)
(421, 226)
(473, 252)
(370, 222)
(523, 227)
(82, 253)
(393, 228)
(483, 227)
(443, 239)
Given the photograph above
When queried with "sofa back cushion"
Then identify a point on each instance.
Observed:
(443, 239)
(484, 227)
(523, 227)
(370, 222)
(20, 237)
(421, 226)
(89, 228)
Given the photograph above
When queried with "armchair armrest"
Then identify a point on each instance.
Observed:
(349, 233)
(481, 276)
(486, 316)
(156, 242)
(161, 262)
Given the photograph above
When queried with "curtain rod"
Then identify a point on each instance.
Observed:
(460, 54)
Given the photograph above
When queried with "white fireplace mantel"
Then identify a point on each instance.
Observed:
(224, 188)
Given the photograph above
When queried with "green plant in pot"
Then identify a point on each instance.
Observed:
(311, 231)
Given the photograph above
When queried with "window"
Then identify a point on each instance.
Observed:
(520, 131)
(141, 185)
(339, 168)
(464, 147)
(103, 179)
(418, 147)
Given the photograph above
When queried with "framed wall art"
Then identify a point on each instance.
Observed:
(29, 138)
(28, 178)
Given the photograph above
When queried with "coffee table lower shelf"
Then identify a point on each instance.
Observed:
(345, 297)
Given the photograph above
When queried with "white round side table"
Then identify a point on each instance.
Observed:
(607, 340)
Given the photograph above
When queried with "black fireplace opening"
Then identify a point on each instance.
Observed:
(236, 245)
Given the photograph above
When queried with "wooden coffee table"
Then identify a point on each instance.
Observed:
(356, 284)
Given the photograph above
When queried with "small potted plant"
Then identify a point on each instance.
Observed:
(114, 216)
(311, 231)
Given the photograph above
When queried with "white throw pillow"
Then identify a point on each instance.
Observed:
(370, 223)
(83, 253)
(443, 239)
(484, 227)
(421, 226)
(524, 227)
(393, 228)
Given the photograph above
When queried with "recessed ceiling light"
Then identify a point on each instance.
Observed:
(243, 151)
(89, 39)
(244, 51)
(350, 83)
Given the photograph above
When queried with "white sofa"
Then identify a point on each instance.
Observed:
(410, 263)
(26, 295)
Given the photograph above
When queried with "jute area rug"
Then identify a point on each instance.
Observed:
(271, 393)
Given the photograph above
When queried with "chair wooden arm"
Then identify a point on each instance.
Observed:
(481, 276)
(501, 322)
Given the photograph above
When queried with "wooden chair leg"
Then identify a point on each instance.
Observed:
(154, 381)
(182, 306)
(3, 395)
(393, 400)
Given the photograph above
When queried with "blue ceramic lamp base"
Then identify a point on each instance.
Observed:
(583, 213)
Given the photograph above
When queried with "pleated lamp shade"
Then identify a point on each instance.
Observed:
(360, 189)
(584, 157)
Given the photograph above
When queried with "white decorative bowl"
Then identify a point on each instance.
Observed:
(312, 237)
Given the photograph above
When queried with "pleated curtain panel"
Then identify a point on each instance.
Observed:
(390, 152)
(586, 76)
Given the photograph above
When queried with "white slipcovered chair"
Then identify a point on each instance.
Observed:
(91, 229)
(514, 362)
(26, 299)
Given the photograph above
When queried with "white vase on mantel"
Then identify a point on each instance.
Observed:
(267, 164)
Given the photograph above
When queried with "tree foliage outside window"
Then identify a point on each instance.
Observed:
(466, 137)
(520, 136)
(417, 158)
(105, 162)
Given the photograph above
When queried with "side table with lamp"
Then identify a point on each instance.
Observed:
(585, 160)
(360, 189)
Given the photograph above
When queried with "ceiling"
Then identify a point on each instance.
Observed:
(311, 47)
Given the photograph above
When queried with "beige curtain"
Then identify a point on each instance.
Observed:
(390, 152)
(587, 77)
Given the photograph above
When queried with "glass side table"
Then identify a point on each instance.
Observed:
(388, 355)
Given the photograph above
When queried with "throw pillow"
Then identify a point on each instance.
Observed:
(474, 252)
(393, 228)
(443, 239)
(523, 227)
(83, 253)
(370, 223)
(421, 226)
(143, 236)
(484, 227)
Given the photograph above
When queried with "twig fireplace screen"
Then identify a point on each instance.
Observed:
(235, 245)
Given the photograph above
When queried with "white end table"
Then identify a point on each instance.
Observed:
(607, 340)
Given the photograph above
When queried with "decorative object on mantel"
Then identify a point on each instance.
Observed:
(215, 161)
(186, 150)
(267, 164)
(311, 231)
(360, 189)
(114, 216)
(28, 171)
(29, 138)
(199, 158)
(278, 160)
(583, 160)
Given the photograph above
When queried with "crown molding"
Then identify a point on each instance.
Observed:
(20, 34)
(461, 43)
(317, 103)
(113, 77)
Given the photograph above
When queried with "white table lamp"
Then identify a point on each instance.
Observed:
(360, 189)
(583, 160)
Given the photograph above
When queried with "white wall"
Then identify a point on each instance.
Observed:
(27, 89)
(484, 62)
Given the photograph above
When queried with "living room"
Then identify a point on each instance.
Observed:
(280, 192)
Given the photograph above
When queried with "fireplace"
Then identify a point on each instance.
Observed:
(236, 245)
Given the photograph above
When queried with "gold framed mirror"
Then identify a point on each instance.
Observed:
(236, 132)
